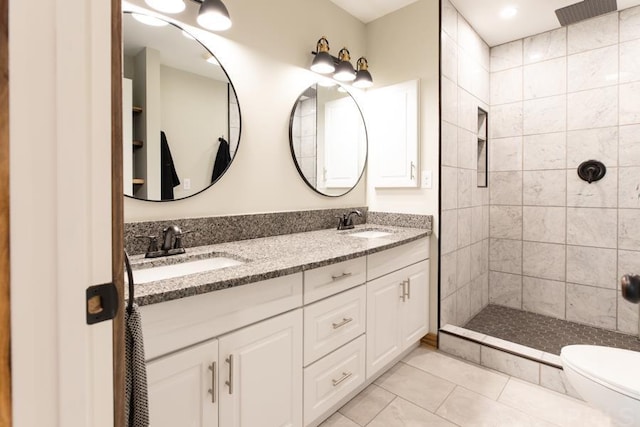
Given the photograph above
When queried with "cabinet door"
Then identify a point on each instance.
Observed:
(415, 308)
(384, 299)
(261, 374)
(180, 388)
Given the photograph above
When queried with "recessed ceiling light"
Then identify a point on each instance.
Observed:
(508, 12)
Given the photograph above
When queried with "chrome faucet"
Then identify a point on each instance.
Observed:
(346, 223)
(168, 235)
(171, 243)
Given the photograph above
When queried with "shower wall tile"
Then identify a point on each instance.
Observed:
(547, 78)
(544, 224)
(506, 56)
(543, 296)
(485, 221)
(591, 266)
(484, 281)
(464, 187)
(449, 182)
(592, 227)
(449, 20)
(543, 260)
(449, 231)
(600, 194)
(449, 147)
(545, 115)
(506, 86)
(476, 224)
(476, 260)
(628, 263)
(448, 273)
(593, 306)
(449, 58)
(505, 154)
(515, 366)
(463, 304)
(448, 310)
(593, 33)
(506, 120)
(459, 347)
(449, 104)
(467, 111)
(505, 289)
(505, 256)
(467, 149)
(593, 108)
(546, 151)
(463, 267)
(505, 188)
(464, 227)
(548, 45)
(630, 24)
(629, 196)
(629, 147)
(598, 144)
(630, 103)
(505, 222)
(593, 69)
(630, 61)
(629, 229)
(544, 188)
(469, 40)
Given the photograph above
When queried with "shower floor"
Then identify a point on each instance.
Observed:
(542, 332)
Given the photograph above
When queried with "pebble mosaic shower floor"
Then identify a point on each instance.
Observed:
(544, 333)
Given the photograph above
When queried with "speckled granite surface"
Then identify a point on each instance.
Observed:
(400, 220)
(269, 257)
(213, 230)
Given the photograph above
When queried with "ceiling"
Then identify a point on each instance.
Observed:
(370, 10)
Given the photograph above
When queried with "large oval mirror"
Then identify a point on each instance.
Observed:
(328, 139)
(181, 124)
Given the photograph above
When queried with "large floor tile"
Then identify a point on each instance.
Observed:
(401, 413)
(416, 386)
(366, 405)
(554, 407)
(470, 376)
(338, 420)
(466, 408)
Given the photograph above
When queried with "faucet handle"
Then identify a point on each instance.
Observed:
(178, 241)
(153, 242)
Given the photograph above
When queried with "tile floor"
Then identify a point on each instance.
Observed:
(430, 388)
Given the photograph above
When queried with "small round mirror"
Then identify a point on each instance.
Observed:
(328, 139)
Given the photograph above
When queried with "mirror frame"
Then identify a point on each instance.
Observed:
(163, 18)
(293, 154)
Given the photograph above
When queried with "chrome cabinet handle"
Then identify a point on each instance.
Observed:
(341, 276)
(344, 376)
(413, 166)
(345, 320)
(212, 390)
(403, 294)
(229, 382)
(408, 281)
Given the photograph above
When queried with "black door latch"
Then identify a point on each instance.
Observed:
(102, 303)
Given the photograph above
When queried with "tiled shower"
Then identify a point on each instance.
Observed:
(552, 244)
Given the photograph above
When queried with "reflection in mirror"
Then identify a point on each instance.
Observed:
(181, 123)
(328, 139)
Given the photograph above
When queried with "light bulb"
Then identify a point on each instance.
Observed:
(167, 6)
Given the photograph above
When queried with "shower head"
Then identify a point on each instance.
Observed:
(584, 10)
(631, 288)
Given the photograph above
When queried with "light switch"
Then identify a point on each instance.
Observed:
(427, 179)
(186, 183)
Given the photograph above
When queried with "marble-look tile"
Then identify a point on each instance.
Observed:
(512, 347)
(449, 101)
(629, 192)
(505, 222)
(476, 260)
(469, 40)
(628, 263)
(449, 183)
(513, 365)
(410, 383)
(471, 377)
(552, 358)
(543, 260)
(476, 224)
(548, 45)
(630, 103)
(450, 19)
(448, 273)
(545, 115)
(593, 33)
(544, 188)
(600, 144)
(544, 224)
(508, 55)
(505, 256)
(556, 380)
(547, 78)
(506, 120)
(545, 151)
(449, 231)
(485, 287)
(593, 68)
(463, 332)
(505, 289)
(459, 347)
(463, 304)
(543, 296)
(485, 256)
(592, 227)
(593, 306)
(506, 86)
(600, 194)
(365, 406)
(463, 267)
(505, 154)
(467, 148)
(475, 296)
(401, 413)
(448, 310)
(593, 108)
(485, 220)
(550, 406)
(449, 61)
(630, 61)
(449, 138)
(338, 420)
(629, 229)
(464, 187)
(505, 188)
(591, 266)
(629, 144)
(464, 227)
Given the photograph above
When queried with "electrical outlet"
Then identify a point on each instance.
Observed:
(186, 183)
(427, 179)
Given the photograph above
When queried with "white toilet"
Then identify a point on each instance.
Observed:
(607, 378)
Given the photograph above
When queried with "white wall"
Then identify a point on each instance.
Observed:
(266, 54)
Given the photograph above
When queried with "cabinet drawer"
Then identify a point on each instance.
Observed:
(330, 379)
(325, 281)
(332, 322)
(385, 262)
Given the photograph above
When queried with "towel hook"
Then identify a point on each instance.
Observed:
(130, 280)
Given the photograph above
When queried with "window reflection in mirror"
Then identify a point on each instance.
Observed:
(328, 139)
(181, 115)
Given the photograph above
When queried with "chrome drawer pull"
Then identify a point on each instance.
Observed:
(403, 294)
(344, 376)
(212, 390)
(345, 320)
(229, 360)
(342, 276)
(409, 288)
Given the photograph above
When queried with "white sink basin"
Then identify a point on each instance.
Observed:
(370, 234)
(162, 272)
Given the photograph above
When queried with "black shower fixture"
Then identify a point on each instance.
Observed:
(592, 171)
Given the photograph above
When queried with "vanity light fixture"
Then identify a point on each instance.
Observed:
(363, 76)
(323, 62)
(167, 6)
(344, 70)
(213, 14)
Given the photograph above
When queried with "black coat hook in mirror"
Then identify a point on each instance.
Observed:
(630, 285)
(591, 171)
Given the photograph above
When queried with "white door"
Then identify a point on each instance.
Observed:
(415, 309)
(342, 133)
(260, 380)
(181, 388)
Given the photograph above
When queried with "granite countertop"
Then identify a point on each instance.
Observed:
(266, 258)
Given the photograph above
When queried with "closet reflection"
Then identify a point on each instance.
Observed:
(181, 115)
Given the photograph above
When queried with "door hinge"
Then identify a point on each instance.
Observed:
(102, 303)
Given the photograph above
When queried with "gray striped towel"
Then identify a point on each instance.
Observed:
(136, 408)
